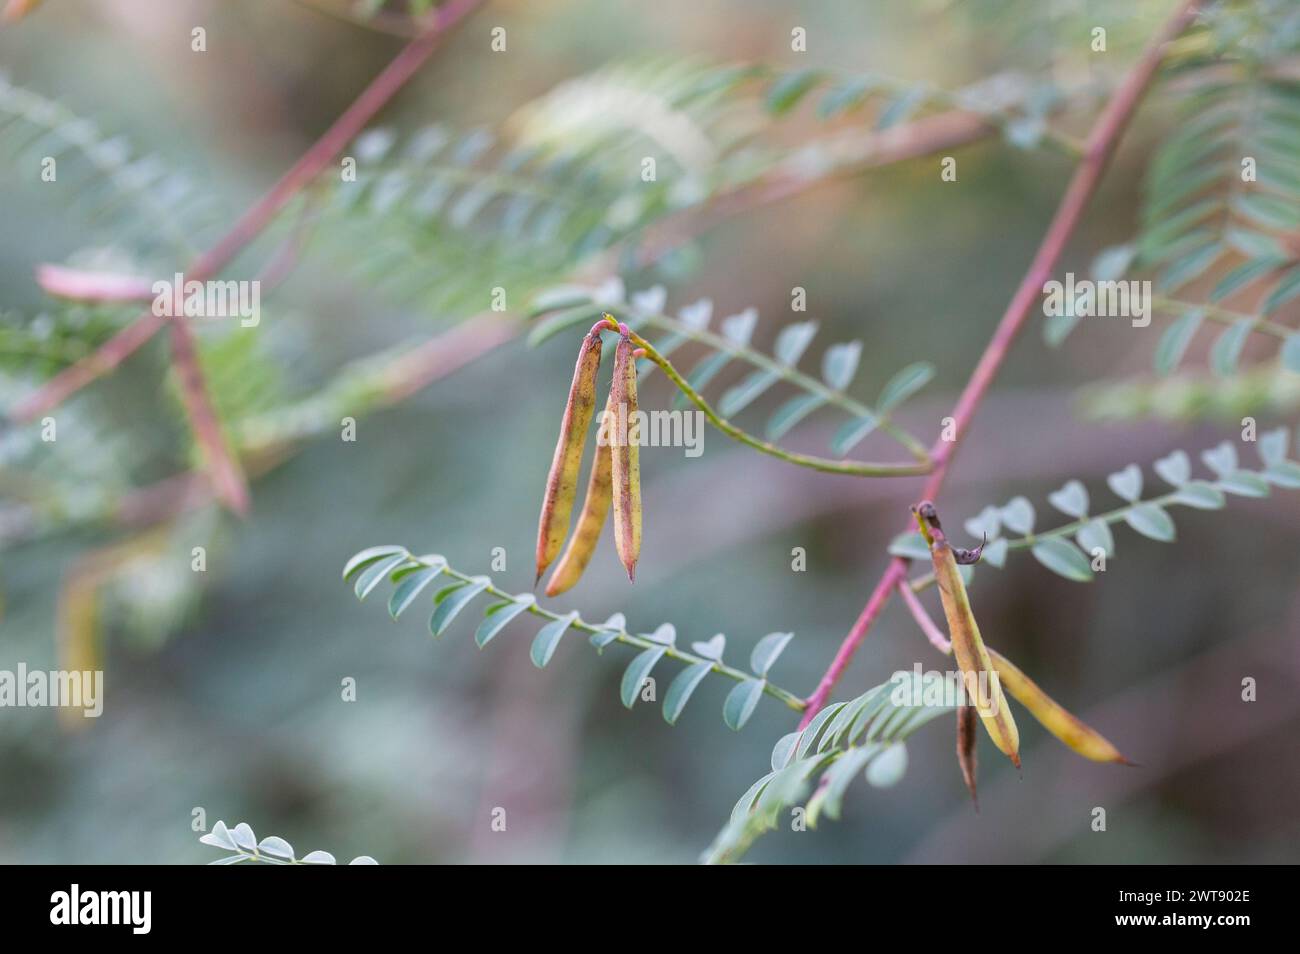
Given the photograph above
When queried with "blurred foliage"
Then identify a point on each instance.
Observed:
(523, 171)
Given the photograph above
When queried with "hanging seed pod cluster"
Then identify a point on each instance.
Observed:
(990, 676)
(615, 478)
(982, 682)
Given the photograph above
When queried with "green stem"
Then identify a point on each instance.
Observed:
(790, 375)
(1224, 316)
(937, 96)
(1111, 516)
(823, 464)
(921, 583)
(623, 636)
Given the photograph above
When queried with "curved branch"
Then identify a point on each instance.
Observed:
(824, 464)
(791, 375)
(1102, 141)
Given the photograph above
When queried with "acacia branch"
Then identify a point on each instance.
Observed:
(384, 86)
(1101, 144)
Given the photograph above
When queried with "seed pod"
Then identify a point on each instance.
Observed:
(1080, 737)
(595, 508)
(626, 470)
(966, 749)
(562, 482)
(967, 645)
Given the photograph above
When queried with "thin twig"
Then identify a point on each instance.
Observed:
(824, 464)
(928, 626)
(287, 256)
(1102, 141)
(229, 484)
(793, 375)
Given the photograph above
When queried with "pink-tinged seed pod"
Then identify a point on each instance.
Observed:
(982, 680)
(626, 469)
(562, 481)
(595, 508)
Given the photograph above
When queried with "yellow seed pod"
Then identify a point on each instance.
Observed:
(1076, 734)
(562, 481)
(626, 463)
(982, 681)
(595, 508)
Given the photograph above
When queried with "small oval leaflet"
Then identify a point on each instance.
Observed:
(741, 702)
(681, 688)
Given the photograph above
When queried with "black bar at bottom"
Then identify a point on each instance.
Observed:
(339, 904)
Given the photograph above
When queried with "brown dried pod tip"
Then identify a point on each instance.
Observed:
(966, 757)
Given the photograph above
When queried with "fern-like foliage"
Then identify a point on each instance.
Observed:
(133, 199)
(864, 736)
(245, 375)
(58, 471)
(1205, 206)
(1221, 207)
(562, 181)
(1018, 104)
(558, 184)
(566, 177)
(1192, 395)
(33, 348)
(271, 850)
(475, 214)
(569, 306)
(412, 575)
(1225, 353)
(1069, 549)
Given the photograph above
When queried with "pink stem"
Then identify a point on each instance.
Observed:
(1102, 141)
(78, 285)
(928, 626)
(228, 482)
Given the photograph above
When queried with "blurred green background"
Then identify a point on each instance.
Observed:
(229, 699)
